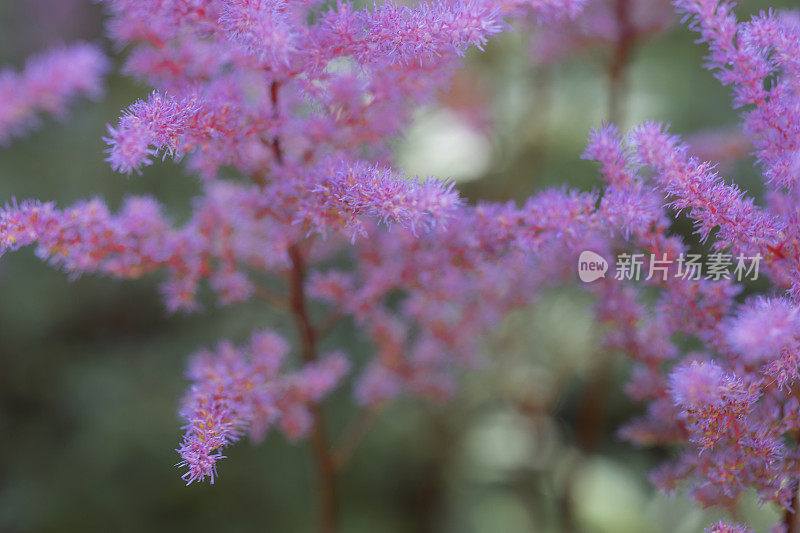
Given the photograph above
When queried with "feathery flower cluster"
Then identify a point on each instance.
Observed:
(727, 527)
(361, 189)
(48, 84)
(712, 402)
(724, 403)
(303, 100)
(299, 100)
(236, 390)
(732, 406)
(758, 59)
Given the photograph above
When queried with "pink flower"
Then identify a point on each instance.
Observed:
(49, 83)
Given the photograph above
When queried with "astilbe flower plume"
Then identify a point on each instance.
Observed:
(711, 401)
(285, 111)
(243, 389)
(49, 83)
(303, 100)
(732, 404)
(758, 59)
(727, 527)
(263, 28)
(766, 332)
(359, 189)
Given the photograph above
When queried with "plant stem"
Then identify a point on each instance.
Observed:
(276, 141)
(327, 493)
(323, 458)
(353, 436)
(791, 517)
(618, 68)
(592, 412)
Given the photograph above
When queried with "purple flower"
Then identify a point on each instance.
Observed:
(49, 83)
(236, 390)
(727, 527)
(698, 384)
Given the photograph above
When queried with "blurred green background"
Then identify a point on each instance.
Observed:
(91, 370)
